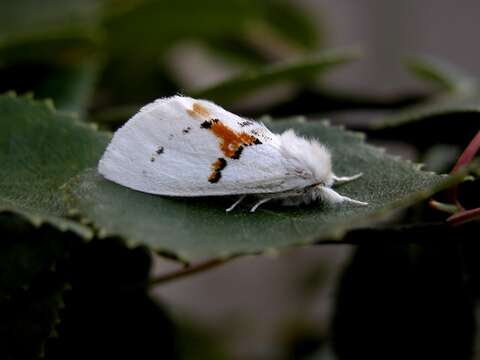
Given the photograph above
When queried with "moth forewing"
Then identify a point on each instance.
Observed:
(179, 146)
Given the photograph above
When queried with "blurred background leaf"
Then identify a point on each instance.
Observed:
(305, 69)
(443, 75)
(450, 117)
(24, 21)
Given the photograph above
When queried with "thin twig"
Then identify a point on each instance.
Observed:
(468, 154)
(174, 275)
(464, 216)
(445, 207)
(465, 158)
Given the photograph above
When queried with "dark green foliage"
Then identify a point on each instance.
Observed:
(27, 253)
(31, 286)
(413, 298)
(294, 71)
(28, 317)
(107, 310)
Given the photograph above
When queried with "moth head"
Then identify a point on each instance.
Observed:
(310, 158)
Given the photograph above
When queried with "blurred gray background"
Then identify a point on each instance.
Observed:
(390, 30)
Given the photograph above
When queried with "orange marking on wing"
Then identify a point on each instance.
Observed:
(217, 167)
(198, 110)
(214, 177)
(231, 141)
(219, 164)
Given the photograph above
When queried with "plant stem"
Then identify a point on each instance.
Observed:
(464, 216)
(468, 154)
(465, 158)
(206, 265)
(448, 208)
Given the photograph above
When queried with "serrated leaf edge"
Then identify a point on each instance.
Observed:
(37, 220)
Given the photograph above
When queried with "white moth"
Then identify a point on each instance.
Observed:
(179, 146)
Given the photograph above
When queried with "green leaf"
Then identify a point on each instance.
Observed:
(325, 99)
(48, 51)
(26, 252)
(179, 20)
(299, 70)
(40, 150)
(443, 75)
(199, 228)
(30, 317)
(291, 22)
(23, 21)
(108, 313)
(191, 19)
(233, 28)
(448, 120)
(71, 87)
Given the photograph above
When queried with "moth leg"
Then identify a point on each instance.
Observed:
(236, 203)
(345, 179)
(260, 202)
(330, 196)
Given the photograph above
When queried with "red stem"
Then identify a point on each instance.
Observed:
(467, 156)
(464, 216)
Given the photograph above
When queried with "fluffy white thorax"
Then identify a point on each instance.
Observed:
(309, 158)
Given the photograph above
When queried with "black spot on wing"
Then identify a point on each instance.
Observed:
(159, 151)
(237, 153)
(215, 177)
(207, 124)
(222, 163)
(186, 130)
(246, 123)
(257, 134)
(217, 168)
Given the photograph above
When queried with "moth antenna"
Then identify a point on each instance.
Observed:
(236, 203)
(353, 201)
(330, 196)
(263, 201)
(346, 179)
